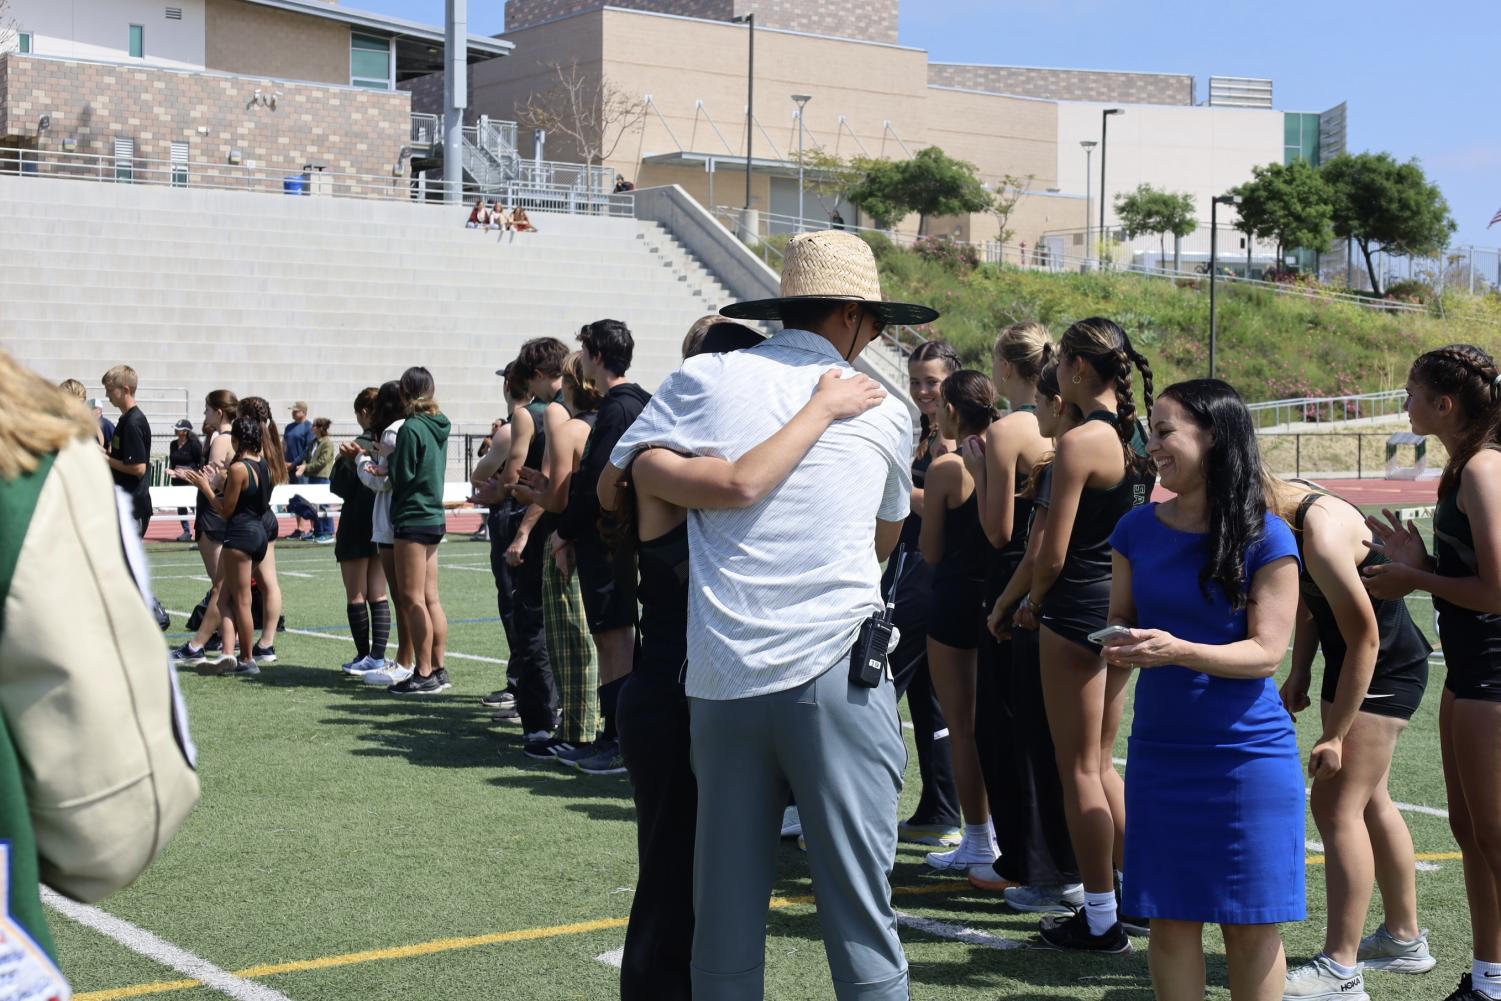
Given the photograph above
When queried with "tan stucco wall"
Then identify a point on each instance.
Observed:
(999, 135)
(263, 41)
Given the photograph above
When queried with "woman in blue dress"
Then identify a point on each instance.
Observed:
(1207, 586)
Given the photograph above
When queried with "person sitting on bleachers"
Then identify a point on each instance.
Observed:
(479, 216)
(520, 222)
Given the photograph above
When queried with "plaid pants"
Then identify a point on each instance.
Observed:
(571, 651)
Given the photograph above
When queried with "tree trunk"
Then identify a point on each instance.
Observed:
(1370, 265)
(1161, 251)
(922, 224)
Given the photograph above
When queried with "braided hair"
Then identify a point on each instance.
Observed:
(1469, 375)
(245, 432)
(256, 408)
(934, 350)
(1108, 350)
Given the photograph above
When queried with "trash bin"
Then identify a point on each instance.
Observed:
(296, 185)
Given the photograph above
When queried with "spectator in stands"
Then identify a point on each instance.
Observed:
(130, 447)
(366, 607)
(317, 463)
(417, 522)
(185, 452)
(836, 221)
(622, 186)
(479, 216)
(297, 439)
(521, 222)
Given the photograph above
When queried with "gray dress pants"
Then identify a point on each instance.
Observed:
(839, 749)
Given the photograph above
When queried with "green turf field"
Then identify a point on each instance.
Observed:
(353, 845)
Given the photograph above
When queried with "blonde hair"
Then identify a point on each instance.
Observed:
(1284, 496)
(123, 377)
(584, 395)
(74, 388)
(36, 419)
(1027, 346)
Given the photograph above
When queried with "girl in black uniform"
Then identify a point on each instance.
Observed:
(1375, 670)
(1454, 393)
(257, 408)
(651, 517)
(220, 408)
(935, 821)
(246, 497)
(953, 544)
(1100, 472)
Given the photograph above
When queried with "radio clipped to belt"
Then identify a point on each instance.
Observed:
(868, 659)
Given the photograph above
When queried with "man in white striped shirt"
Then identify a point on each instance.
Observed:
(777, 594)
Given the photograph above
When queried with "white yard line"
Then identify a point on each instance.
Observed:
(142, 942)
(345, 639)
(958, 933)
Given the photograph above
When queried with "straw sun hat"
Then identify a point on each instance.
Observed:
(830, 266)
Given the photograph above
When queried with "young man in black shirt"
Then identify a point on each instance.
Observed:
(129, 454)
(609, 584)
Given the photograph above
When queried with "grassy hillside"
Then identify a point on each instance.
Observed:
(1271, 346)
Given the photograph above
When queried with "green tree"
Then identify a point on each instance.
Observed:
(1288, 204)
(1149, 210)
(1381, 204)
(932, 183)
(1009, 191)
(830, 178)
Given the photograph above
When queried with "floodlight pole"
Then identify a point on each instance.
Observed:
(1089, 145)
(1214, 267)
(455, 94)
(802, 102)
(1104, 127)
(750, 97)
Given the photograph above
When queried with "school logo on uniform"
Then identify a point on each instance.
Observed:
(27, 973)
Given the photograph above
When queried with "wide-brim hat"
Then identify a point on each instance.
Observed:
(830, 266)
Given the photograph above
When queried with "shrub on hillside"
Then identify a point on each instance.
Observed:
(960, 258)
(1411, 290)
(880, 243)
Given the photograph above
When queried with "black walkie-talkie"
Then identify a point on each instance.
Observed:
(868, 664)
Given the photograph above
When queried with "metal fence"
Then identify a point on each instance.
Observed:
(1362, 406)
(1336, 453)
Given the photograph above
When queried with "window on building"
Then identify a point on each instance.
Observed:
(1300, 138)
(137, 42)
(125, 154)
(179, 165)
(24, 43)
(370, 62)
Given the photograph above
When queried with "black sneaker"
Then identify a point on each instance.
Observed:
(499, 700)
(1466, 991)
(511, 715)
(417, 685)
(186, 655)
(545, 750)
(215, 644)
(1071, 934)
(264, 654)
(444, 681)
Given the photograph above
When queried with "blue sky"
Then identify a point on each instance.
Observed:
(1421, 80)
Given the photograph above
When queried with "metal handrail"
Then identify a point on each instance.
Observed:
(1332, 409)
(537, 194)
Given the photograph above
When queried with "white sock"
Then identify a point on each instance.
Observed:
(1487, 978)
(1344, 971)
(1099, 909)
(979, 836)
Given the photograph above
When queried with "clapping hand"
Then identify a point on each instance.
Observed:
(350, 449)
(488, 493)
(533, 484)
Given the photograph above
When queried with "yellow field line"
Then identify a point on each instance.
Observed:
(450, 945)
(1420, 856)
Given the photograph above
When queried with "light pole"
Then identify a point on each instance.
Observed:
(802, 102)
(1089, 145)
(750, 94)
(1104, 127)
(1214, 233)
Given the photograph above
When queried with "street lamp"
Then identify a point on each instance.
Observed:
(750, 93)
(802, 102)
(1214, 204)
(1104, 125)
(1089, 145)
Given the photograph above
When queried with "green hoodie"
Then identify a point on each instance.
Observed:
(417, 469)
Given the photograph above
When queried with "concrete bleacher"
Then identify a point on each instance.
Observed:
(313, 298)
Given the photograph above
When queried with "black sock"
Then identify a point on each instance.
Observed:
(380, 627)
(609, 695)
(359, 627)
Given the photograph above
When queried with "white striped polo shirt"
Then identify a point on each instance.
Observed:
(777, 591)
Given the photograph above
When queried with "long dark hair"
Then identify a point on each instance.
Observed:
(934, 350)
(417, 391)
(1232, 481)
(972, 395)
(1104, 345)
(390, 407)
(1469, 375)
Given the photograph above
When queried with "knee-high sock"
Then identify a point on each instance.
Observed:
(359, 626)
(380, 627)
(609, 695)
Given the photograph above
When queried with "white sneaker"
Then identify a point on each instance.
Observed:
(1320, 980)
(391, 674)
(1045, 899)
(964, 856)
(792, 824)
(1380, 950)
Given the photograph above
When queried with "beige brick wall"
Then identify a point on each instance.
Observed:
(871, 20)
(264, 41)
(1066, 84)
(999, 135)
(350, 130)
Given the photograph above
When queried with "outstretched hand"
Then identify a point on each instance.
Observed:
(847, 395)
(1400, 542)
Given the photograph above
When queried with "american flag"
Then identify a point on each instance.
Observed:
(1494, 219)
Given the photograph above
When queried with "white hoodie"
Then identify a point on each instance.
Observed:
(380, 521)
